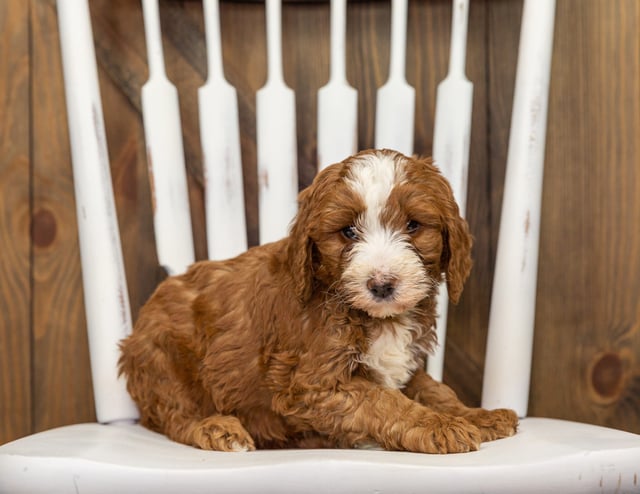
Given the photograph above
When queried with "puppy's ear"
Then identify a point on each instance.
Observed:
(455, 260)
(300, 249)
(456, 251)
(303, 253)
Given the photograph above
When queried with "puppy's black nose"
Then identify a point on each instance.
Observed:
(381, 289)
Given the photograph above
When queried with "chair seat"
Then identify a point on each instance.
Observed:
(545, 456)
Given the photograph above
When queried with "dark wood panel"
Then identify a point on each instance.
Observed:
(588, 317)
(15, 291)
(244, 54)
(61, 376)
(121, 56)
(306, 42)
(467, 329)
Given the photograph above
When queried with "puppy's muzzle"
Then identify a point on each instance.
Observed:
(382, 287)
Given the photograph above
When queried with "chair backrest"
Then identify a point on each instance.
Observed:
(106, 301)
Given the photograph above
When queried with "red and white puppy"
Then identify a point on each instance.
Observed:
(319, 339)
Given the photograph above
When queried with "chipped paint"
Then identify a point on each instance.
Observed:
(152, 184)
(124, 307)
(527, 228)
(263, 178)
(98, 128)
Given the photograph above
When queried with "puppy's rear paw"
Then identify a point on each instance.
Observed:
(443, 434)
(493, 424)
(221, 433)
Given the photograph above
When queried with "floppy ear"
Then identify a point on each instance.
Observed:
(300, 249)
(455, 261)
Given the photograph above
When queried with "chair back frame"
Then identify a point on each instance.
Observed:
(108, 313)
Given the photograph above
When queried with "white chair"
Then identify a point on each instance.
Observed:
(117, 455)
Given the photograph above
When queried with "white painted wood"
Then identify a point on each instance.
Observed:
(165, 154)
(337, 101)
(395, 101)
(454, 104)
(511, 321)
(220, 138)
(550, 456)
(276, 136)
(105, 288)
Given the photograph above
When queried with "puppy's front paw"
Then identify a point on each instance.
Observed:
(221, 433)
(443, 434)
(493, 424)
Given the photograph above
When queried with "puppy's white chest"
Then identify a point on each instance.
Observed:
(392, 356)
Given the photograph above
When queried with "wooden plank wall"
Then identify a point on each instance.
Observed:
(587, 344)
(15, 211)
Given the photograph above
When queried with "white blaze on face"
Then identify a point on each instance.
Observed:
(381, 255)
(373, 178)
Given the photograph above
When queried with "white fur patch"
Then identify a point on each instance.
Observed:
(379, 251)
(392, 356)
(373, 178)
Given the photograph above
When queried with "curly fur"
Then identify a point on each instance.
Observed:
(319, 339)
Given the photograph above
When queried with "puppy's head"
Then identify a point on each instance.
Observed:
(381, 230)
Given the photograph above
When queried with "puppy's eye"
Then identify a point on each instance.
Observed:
(412, 227)
(350, 232)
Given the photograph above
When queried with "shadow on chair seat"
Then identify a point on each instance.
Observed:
(545, 456)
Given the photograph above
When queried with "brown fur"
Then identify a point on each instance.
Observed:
(263, 351)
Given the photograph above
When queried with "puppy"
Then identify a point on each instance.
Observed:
(319, 339)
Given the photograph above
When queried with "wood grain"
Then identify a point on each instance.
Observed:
(122, 70)
(589, 283)
(587, 348)
(467, 328)
(15, 290)
(61, 376)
